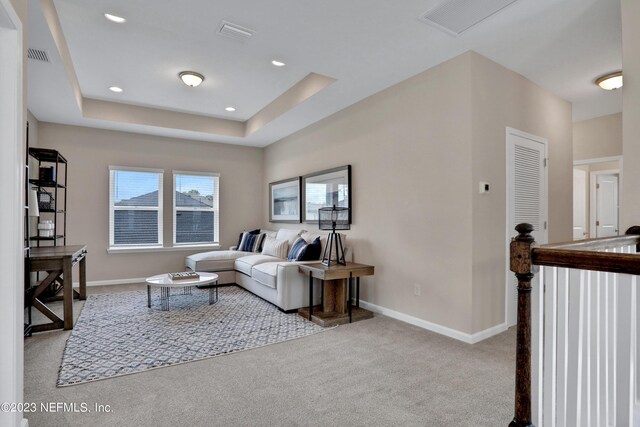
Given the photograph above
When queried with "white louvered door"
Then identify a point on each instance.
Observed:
(526, 196)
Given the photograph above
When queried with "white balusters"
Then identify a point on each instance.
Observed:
(584, 348)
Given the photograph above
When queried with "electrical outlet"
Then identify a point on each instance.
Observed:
(416, 290)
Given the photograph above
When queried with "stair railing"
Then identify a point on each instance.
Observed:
(617, 255)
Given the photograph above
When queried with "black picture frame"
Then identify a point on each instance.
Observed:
(336, 192)
(285, 197)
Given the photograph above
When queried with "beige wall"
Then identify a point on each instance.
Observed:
(411, 168)
(630, 214)
(598, 138)
(91, 151)
(418, 150)
(33, 129)
(502, 98)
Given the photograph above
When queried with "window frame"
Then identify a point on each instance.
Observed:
(215, 209)
(113, 208)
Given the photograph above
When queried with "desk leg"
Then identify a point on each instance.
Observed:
(148, 296)
(349, 294)
(310, 295)
(358, 291)
(67, 293)
(82, 269)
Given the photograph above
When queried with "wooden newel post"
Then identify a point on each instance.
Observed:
(521, 265)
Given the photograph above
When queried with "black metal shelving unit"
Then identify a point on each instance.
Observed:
(58, 186)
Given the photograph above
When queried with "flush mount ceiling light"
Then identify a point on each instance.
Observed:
(115, 89)
(610, 81)
(115, 18)
(230, 109)
(277, 63)
(191, 78)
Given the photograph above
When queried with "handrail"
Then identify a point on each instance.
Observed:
(583, 255)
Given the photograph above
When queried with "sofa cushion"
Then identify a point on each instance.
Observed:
(266, 273)
(290, 235)
(251, 242)
(296, 249)
(246, 263)
(275, 247)
(269, 233)
(214, 260)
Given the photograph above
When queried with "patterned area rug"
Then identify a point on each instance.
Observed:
(116, 334)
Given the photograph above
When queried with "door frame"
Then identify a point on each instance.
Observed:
(12, 171)
(620, 160)
(509, 231)
(592, 198)
(585, 207)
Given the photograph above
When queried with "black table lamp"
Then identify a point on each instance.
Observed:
(334, 218)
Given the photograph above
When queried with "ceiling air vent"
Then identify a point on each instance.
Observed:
(457, 16)
(235, 32)
(38, 55)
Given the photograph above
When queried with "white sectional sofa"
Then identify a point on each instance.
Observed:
(273, 279)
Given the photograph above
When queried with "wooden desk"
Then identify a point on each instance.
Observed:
(335, 307)
(58, 261)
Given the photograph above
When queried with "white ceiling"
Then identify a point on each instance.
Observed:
(366, 45)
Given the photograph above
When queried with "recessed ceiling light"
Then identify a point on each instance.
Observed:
(115, 18)
(277, 63)
(191, 78)
(115, 89)
(230, 109)
(610, 81)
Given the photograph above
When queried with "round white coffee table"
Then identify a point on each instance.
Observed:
(165, 284)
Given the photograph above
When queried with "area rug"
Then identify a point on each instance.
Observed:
(116, 334)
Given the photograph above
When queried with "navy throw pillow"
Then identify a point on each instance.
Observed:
(251, 242)
(296, 249)
(311, 252)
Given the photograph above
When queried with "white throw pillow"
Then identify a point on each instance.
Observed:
(278, 248)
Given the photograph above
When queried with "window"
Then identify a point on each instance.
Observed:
(135, 207)
(195, 208)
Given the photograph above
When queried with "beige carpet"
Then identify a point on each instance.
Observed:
(377, 372)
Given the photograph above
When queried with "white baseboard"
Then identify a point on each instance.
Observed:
(434, 327)
(112, 282)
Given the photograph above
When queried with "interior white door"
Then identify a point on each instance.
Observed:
(526, 197)
(606, 205)
(579, 204)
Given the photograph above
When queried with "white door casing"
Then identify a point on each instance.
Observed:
(579, 204)
(12, 125)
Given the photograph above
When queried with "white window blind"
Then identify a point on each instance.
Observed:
(135, 207)
(195, 208)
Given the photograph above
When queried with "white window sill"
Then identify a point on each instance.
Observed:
(146, 249)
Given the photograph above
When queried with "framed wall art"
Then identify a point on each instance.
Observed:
(285, 200)
(325, 189)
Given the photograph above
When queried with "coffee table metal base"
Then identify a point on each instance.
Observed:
(165, 293)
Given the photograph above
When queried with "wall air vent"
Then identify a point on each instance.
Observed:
(38, 55)
(235, 32)
(457, 16)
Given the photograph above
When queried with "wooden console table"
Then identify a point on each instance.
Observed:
(58, 262)
(336, 307)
